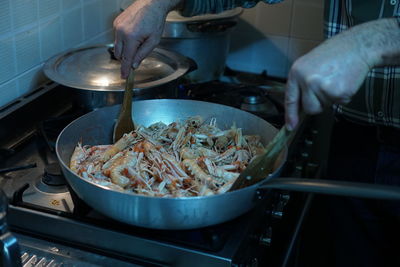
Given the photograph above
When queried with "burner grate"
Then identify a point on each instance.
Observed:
(52, 127)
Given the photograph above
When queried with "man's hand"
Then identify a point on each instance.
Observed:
(335, 70)
(138, 30)
(326, 75)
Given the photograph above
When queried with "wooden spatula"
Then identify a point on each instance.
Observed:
(125, 124)
(263, 165)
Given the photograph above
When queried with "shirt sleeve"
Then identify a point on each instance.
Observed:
(197, 7)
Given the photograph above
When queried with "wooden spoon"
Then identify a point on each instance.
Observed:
(125, 123)
(263, 165)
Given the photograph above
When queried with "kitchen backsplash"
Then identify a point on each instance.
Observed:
(271, 37)
(31, 31)
(268, 37)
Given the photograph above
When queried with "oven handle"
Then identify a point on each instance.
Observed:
(334, 187)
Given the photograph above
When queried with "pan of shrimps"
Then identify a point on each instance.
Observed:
(174, 170)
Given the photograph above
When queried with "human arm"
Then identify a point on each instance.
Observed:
(138, 29)
(334, 71)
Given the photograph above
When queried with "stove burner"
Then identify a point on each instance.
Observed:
(52, 175)
(257, 103)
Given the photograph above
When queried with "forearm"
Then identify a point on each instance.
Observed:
(197, 7)
(334, 71)
(378, 41)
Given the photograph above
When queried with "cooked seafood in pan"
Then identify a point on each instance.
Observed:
(185, 158)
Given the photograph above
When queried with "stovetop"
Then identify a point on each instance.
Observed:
(263, 101)
(43, 206)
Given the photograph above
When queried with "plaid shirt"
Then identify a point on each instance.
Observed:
(197, 7)
(378, 100)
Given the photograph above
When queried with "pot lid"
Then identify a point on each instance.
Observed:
(174, 16)
(93, 68)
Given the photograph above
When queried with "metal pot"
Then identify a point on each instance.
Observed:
(205, 39)
(93, 74)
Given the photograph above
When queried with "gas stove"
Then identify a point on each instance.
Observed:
(54, 227)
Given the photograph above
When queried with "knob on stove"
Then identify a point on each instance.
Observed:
(52, 175)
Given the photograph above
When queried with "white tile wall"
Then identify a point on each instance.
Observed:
(8, 67)
(32, 31)
(307, 20)
(8, 91)
(72, 28)
(107, 18)
(298, 47)
(270, 37)
(5, 16)
(30, 79)
(24, 12)
(91, 19)
(254, 54)
(51, 42)
(27, 48)
(275, 19)
(68, 4)
(48, 8)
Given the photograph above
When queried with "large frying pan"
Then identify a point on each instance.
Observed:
(155, 212)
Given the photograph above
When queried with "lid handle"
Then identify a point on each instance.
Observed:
(111, 52)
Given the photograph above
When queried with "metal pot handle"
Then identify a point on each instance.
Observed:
(110, 50)
(192, 64)
(334, 187)
(10, 254)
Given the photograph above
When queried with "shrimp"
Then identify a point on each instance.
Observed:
(220, 174)
(188, 153)
(78, 156)
(125, 141)
(117, 176)
(181, 159)
(118, 171)
(198, 173)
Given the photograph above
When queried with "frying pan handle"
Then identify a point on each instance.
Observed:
(338, 188)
